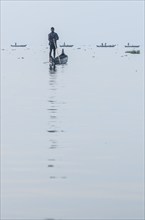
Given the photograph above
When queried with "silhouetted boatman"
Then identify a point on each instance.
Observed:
(52, 37)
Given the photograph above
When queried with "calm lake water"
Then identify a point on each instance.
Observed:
(72, 140)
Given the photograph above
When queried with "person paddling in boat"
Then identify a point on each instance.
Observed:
(52, 38)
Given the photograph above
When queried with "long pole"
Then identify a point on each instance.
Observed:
(57, 51)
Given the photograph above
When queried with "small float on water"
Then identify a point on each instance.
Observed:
(18, 45)
(66, 45)
(105, 45)
(133, 51)
(128, 45)
(61, 59)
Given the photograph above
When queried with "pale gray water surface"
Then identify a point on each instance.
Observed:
(72, 140)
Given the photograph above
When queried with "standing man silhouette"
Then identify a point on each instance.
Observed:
(52, 38)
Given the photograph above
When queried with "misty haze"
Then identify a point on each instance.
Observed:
(72, 127)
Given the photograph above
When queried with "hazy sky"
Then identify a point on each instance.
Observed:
(78, 22)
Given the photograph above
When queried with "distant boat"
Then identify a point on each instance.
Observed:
(18, 45)
(105, 45)
(66, 45)
(128, 45)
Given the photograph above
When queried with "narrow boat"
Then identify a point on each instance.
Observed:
(66, 45)
(105, 45)
(18, 45)
(61, 59)
(128, 45)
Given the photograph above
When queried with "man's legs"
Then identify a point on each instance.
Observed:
(52, 47)
(54, 52)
